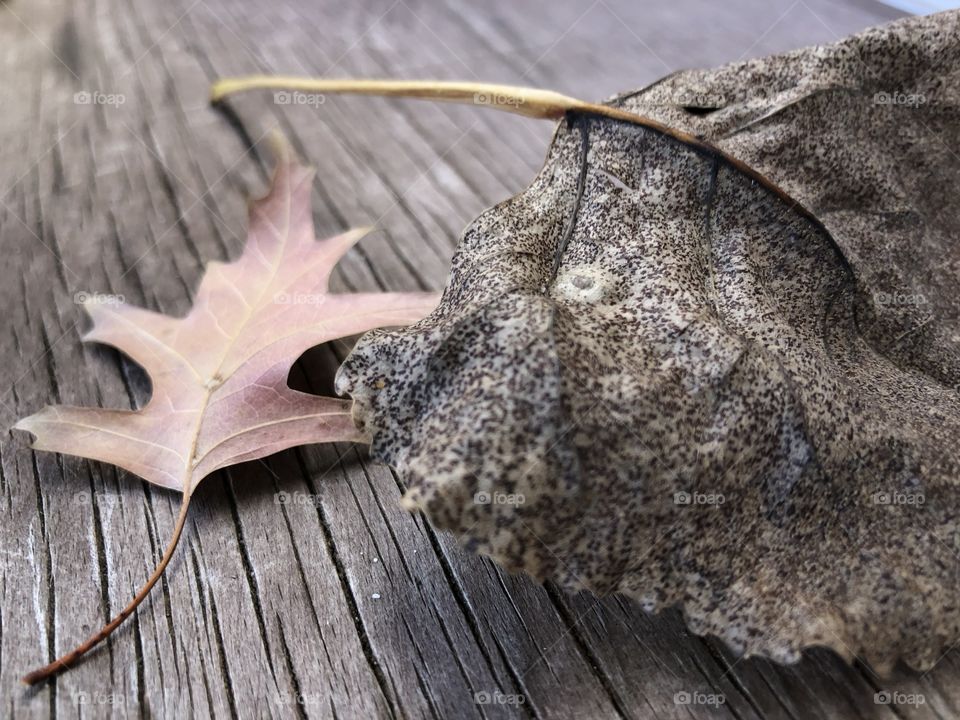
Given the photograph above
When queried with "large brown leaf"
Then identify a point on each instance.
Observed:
(715, 366)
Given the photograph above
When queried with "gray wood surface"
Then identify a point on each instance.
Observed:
(301, 589)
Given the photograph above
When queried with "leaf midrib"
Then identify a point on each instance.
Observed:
(193, 463)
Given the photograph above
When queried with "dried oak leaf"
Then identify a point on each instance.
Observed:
(710, 357)
(219, 375)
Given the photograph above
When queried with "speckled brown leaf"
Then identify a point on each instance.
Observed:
(652, 374)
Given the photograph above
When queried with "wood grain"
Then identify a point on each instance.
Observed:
(301, 588)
